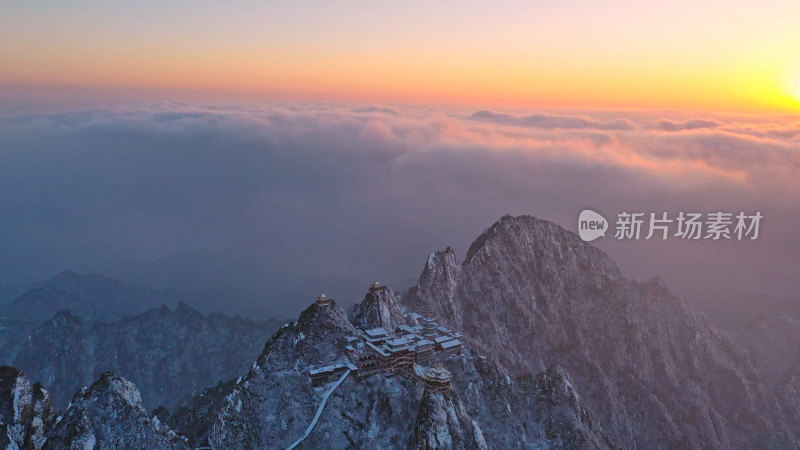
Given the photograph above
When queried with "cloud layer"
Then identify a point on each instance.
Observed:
(278, 202)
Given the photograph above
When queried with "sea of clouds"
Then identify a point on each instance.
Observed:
(276, 202)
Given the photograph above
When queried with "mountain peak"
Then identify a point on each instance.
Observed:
(378, 309)
(92, 297)
(329, 316)
(314, 338)
(533, 294)
(39, 303)
(509, 228)
(78, 284)
(528, 240)
(85, 424)
(435, 291)
(65, 275)
(65, 318)
(110, 383)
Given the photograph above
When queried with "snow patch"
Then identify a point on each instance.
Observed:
(128, 392)
(431, 261)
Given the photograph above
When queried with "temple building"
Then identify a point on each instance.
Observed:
(435, 378)
(366, 361)
(451, 346)
(325, 374)
(375, 287)
(410, 350)
(425, 352)
(323, 300)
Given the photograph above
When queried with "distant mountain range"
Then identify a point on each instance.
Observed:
(68, 330)
(560, 350)
(96, 297)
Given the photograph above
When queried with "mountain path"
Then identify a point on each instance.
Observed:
(319, 410)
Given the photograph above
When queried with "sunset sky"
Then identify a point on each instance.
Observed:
(688, 55)
(275, 149)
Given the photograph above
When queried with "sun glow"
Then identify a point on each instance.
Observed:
(795, 89)
(653, 55)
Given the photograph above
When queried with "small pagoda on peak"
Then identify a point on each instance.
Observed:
(375, 287)
(323, 300)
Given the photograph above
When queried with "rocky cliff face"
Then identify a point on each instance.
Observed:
(567, 421)
(26, 413)
(109, 414)
(380, 308)
(533, 294)
(169, 354)
(435, 293)
(196, 418)
(442, 422)
(541, 410)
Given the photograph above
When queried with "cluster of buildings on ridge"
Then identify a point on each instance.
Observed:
(409, 350)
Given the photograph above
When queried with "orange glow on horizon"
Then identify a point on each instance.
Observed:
(428, 80)
(625, 55)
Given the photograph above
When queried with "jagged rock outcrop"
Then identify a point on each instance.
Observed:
(169, 354)
(380, 308)
(442, 423)
(654, 372)
(26, 413)
(59, 354)
(195, 419)
(435, 293)
(518, 411)
(109, 414)
(567, 422)
(530, 411)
